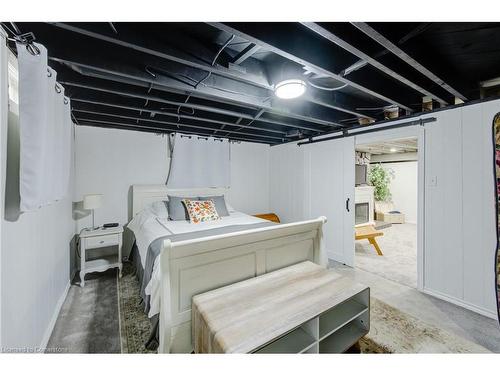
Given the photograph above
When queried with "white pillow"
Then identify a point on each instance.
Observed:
(229, 208)
(159, 208)
(152, 210)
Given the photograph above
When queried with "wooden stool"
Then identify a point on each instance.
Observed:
(368, 232)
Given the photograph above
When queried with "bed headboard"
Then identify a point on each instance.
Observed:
(143, 195)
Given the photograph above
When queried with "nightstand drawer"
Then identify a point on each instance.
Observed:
(101, 241)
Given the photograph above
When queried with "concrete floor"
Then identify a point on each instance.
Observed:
(88, 321)
(454, 319)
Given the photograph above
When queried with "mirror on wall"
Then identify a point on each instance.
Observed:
(496, 137)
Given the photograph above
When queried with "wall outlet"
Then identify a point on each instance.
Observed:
(433, 181)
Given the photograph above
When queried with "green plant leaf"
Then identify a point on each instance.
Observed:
(380, 178)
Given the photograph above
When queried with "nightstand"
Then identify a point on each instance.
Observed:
(97, 238)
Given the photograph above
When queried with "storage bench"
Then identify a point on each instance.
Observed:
(303, 308)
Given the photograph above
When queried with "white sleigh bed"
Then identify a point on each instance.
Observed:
(190, 267)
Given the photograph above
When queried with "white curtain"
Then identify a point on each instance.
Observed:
(199, 162)
(45, 132)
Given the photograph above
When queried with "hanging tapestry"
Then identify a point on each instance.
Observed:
(496, 139)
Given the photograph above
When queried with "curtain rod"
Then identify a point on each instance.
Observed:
(346, 132)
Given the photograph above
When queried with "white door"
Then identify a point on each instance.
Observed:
(329, 169)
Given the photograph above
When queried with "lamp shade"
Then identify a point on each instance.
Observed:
(92, 201)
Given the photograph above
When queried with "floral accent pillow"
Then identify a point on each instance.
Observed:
(201, 211)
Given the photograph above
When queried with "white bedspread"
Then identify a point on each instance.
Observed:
(147, 227)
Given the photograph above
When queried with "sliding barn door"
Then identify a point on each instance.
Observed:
(329, 169)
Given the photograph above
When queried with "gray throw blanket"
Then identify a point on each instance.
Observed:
(156, 246)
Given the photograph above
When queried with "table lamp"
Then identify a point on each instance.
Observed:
(91, 202)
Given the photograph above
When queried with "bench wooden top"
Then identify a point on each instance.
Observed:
(366, 232)
(242, 317)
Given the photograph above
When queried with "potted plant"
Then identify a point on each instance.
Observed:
(379, 178)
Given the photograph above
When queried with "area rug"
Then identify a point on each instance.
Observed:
(398, 332)
(135, 326)
(134, 323)
(391, 331)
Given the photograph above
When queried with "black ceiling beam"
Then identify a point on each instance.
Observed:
(112, 89)
(83, 121)
(108, 87)
(175, 115)
(166, 84)
(360, 54)
(257, 78)
(170, 123)
(387, 44)
(159, 112)
(298, 53)
(246, 53)
(412, 34)
(150, 45)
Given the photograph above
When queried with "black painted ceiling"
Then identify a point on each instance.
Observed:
(167, 77)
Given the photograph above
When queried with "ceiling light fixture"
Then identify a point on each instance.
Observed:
(393, 149)
(290, 89)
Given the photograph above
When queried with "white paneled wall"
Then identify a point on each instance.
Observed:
(249, 190)
(460, 234)
(109, 161)
(287, 181)
(443, 205)
(308, 181)
(459, 210)
(35, 249)
(404, 188)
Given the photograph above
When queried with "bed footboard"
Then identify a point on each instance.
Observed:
(195, 266)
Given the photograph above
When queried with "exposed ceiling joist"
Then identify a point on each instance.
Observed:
(303, 60)
(136, 126)
(177, 124)
(149, 46)
(175, 115)
(413, 33)
(109, 88)
(255, 74)
(150, 110)
(386, 43)
(159, 129)
(360, 54)
(246, 53)
(167, 84)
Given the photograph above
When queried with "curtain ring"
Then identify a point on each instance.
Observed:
(34, 50)
(49, 73)
(58, 89)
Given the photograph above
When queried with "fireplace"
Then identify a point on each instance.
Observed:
(363, 205)
(361, 213)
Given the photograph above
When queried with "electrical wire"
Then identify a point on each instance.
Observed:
(326, 88)
(207, 76)
(215, 60)
(113, 27)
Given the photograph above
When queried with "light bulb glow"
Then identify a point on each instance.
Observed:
(290, 89)
(393, 149)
